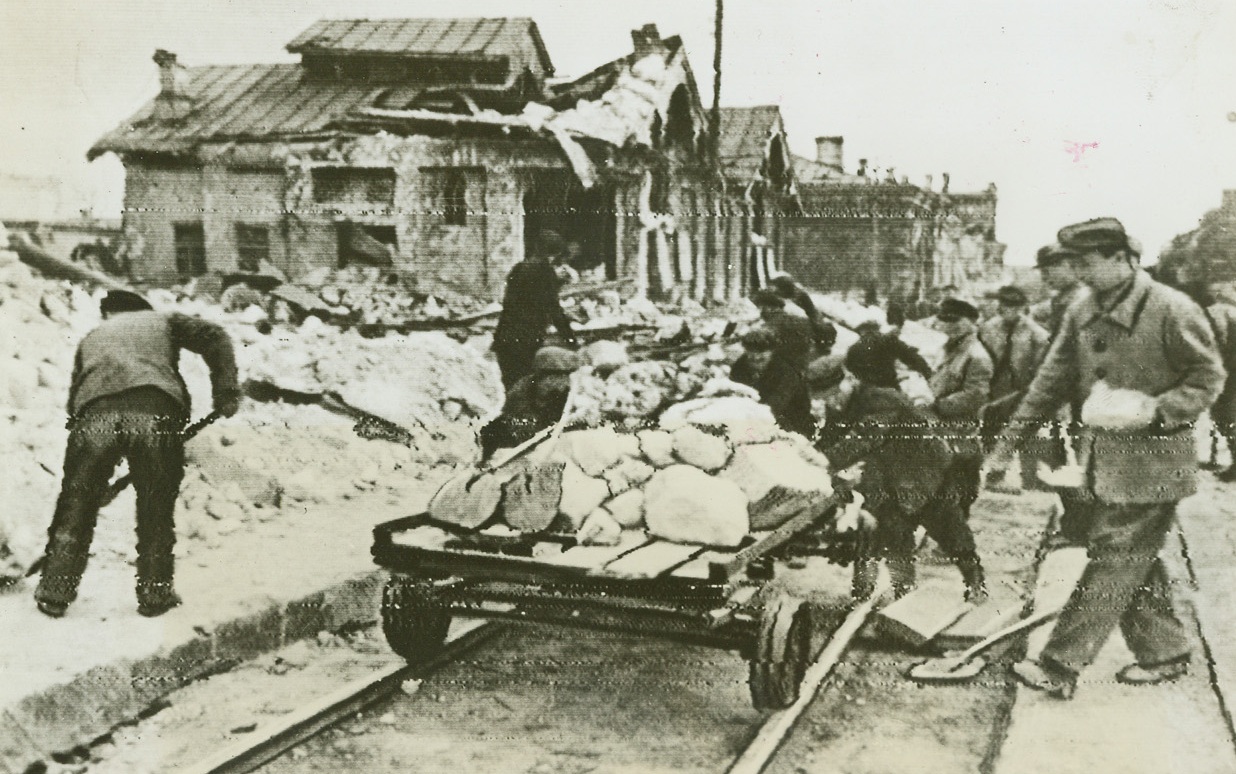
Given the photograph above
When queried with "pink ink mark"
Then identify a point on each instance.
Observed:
(1079, 148)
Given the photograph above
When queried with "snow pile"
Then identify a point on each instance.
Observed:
(374, 295)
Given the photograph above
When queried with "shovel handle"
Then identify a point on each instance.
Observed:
(1031, 622)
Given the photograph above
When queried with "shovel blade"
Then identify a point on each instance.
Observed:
(947, 670)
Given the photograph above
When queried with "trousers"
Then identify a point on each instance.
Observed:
(515, 359)
(144, 426)
(946, 523)
(1124, 585)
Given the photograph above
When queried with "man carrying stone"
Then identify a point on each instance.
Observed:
(529, 305)
(782, 386)
(534, 403)
(1141, 358)
(127, 399)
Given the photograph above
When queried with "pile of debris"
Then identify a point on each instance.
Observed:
(706, 473)
(248, 467)
(374, 296)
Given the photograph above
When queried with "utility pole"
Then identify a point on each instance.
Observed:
(714, 117)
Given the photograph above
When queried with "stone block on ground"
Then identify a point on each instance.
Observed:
(599, 529)
(918, 617)
(686, 505)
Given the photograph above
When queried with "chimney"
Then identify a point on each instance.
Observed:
(1229, 201)
(930, 181)
(828, 152)
(944, 182)
(173, 101)
(647, 40)
(862, 167)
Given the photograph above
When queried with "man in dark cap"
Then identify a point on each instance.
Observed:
(127, 399)
(1155, 345)
(891, 350)
(794, 334)
(1017, 345)
(534, 403)
(529, 305)
(905, 479)
(823, 331)
(1059, 276)
(782, 384)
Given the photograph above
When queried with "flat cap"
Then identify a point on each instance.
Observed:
(1011, 295)
(1095, 234)
(767, 297)
(123, 301)
(1050, 255)
(555, 360)
(870, 360)
(956, 307)
(759, 339)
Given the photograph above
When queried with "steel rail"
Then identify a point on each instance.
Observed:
(294, 729)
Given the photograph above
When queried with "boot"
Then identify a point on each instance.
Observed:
(156, 598)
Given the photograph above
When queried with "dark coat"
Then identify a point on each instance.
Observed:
(1152, 339)
(906, 460)
(783, 388)
(1015, 354)
(887, 349)
(529, 306)
(1222, 316)
(795, 337)
(824, 332)
(533, 404)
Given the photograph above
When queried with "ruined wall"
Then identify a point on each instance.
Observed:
(252, 197)
(154, 199)
(473, 257)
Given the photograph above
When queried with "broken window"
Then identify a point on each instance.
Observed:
(362, 243)
(365, 187)
(252, 246)
(189, 242)
(455, 199)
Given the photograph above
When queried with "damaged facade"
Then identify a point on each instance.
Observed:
(857, 231)
(439, 147)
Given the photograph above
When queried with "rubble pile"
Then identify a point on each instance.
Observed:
(42, 321)
(710, 483)
(632, 394)
(251, 466)
(373, 295)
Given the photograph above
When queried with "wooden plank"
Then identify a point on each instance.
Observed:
(813, 506)
(980, 623)
(589, 557)
(922, 614)
(701, 566)
(650, 560)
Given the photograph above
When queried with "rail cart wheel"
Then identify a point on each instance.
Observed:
(782, 652)
(413, 621)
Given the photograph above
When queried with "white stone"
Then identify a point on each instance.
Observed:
(716, 411)
(630, 472)
(581, 494)
(760, 469)
(686, 505)
(657, 446)
(749, 431)
(598, 449)
(599, 529)
(628, 508)
(700, 449)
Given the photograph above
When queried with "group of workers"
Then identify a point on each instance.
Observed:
(1011, 382)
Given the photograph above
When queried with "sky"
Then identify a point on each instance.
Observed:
(1073, 108)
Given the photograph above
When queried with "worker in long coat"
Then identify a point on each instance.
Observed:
(781, 384)
(905, 478)
(529, 305)
(127, 399)
(1134, 334)
(961, 386)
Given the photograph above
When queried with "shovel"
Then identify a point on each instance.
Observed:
(968, 664)
(119, 485)
(368, 426)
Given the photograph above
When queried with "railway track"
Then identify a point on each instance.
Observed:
(311, 720)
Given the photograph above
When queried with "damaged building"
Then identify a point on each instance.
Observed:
(861, 230)
(440, 148)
